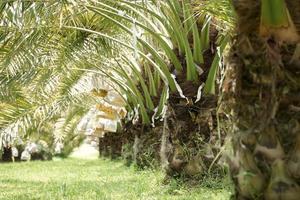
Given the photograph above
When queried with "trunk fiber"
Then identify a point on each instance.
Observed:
(262, 92)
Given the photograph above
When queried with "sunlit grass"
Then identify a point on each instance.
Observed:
(96, 179)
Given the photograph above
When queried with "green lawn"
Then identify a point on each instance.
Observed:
(96, 179)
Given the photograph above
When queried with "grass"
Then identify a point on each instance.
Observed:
(97, 179)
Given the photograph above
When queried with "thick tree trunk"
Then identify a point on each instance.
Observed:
(101, 146)
(110, 145)
(146, 146)
(190, 140)
(127, 144)
(262, 90)
(136, 149)
(116, 146)
(104, 146)
(7, 154)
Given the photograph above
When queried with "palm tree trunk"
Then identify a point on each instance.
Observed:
(262, 90)
(7, 154)
(146, 146)
(191, 139)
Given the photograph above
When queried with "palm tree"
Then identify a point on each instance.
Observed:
(44, 67)
(156, 54)
(262, 98)
(180, 50)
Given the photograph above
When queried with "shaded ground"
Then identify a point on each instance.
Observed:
(96, 179)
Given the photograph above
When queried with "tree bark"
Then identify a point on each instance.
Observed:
(7, 154)
(262, 90)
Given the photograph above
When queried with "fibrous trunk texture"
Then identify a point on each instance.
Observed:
(146, 147)
(190, 140)
(135, 143)
(262, 92)
(110, 145)
(7, 154)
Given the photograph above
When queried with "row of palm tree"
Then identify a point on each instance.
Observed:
(43, 67)
(173, 64)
